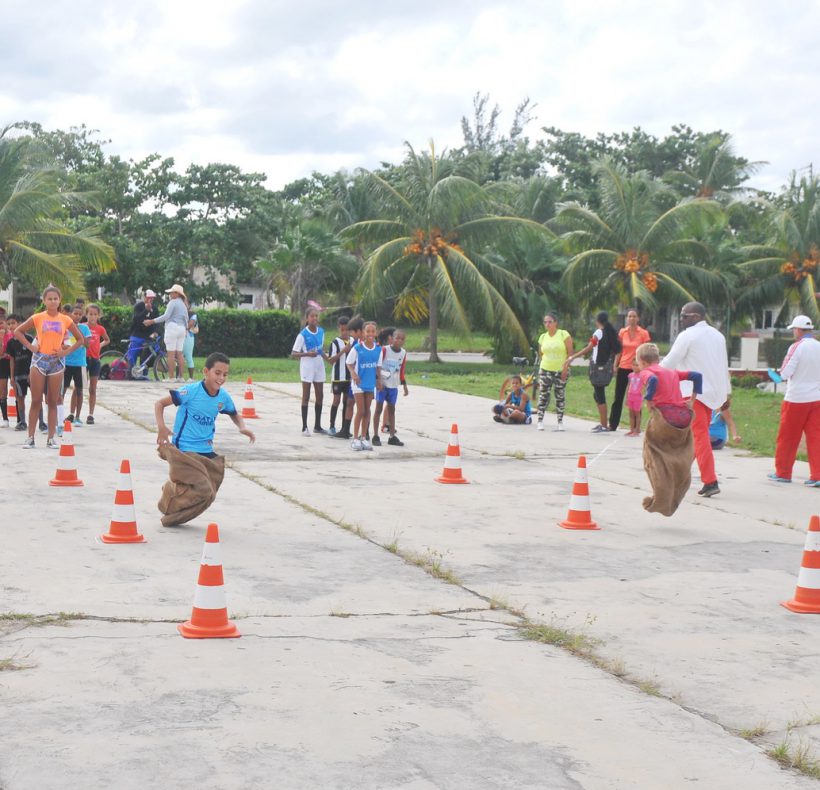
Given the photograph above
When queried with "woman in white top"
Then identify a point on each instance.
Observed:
(175, 319)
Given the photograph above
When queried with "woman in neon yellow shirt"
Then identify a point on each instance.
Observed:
(555, 345)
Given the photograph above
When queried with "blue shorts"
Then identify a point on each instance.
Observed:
(47, 364)
(93, 366)
(389, 394)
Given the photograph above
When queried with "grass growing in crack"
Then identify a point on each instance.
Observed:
(807, 722)
(800, 758)
(750, 733)
(519, 455)
(550, 634)
(432, 562)
(334, 613)
(649, 686)
(13, 665)
(393, 546)
(498, 602)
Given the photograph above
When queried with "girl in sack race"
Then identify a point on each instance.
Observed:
(668, 448)
(604, 346)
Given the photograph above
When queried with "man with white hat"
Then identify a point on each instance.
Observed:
(175, 319)
(139, 333)
(800, 412)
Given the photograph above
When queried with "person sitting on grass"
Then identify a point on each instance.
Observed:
(720, 426)
(517, 408)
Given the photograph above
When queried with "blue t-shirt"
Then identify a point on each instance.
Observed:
(515, 400)
(718, 428)
(77, 358)
(195, 423)
(366, 365)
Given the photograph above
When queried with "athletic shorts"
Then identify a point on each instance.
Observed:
(340, 387)
(21, 388)
(73, 373)
(47, 364)
(93, 367)
(357, 390)
(5, 368)
(389, 394)
(175, 335)
(312, 370)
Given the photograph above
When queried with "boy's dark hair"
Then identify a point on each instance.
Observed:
(385, 334)
(355, 324)
(217, 356)
(343, 320)
(14, 317)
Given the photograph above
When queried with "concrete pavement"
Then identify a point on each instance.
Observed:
(358, 669)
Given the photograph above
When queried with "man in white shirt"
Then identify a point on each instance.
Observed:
(702, 348)
(800, 412)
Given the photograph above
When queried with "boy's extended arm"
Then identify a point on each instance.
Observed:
(243, 429)
(163, 432)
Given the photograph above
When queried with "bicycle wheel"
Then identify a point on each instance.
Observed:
(114, 366)
(161, 367)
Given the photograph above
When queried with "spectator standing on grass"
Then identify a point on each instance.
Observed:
(800, 412)
(631, 336)
(554, 346)
(175, 319)
(701, 347)
(144, 309)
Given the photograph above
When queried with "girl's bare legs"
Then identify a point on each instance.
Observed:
(37, 382)
(358, 420)
(367, 399)
(92, 394)
(53, 396)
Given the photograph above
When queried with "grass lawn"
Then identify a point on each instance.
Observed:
(447, 340)
(757, 414)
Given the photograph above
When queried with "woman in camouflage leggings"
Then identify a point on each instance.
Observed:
(555, 345)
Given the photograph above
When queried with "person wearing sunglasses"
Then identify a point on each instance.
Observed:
(701, 347)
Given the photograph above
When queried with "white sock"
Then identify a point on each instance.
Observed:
(60, 414)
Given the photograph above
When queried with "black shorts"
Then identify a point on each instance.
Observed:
(340, 387)
(73, 373)
(5, 368)
(93, 367)
(21, 388)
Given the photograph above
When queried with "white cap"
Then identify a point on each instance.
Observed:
(149, 293)
(801, 322)
(176, 288)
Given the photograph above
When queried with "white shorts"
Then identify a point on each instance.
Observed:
(174, 337)
(358, 390)
(312, 369)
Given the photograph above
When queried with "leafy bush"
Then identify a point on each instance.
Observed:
(746, 382)
(245, 333)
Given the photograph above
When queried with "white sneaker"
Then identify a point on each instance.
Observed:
(4, 423)
(539, 425)
(560, 426)
(366, 445)
(306, 432)
(28, 444)
(356, 444)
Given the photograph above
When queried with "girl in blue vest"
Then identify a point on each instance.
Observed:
(516, 409)
(364, 361)
(308, 348)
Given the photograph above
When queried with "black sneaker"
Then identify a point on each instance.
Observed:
(21, 426)
(319, 429)
(70, 418)
(89, 420)
(709, 490)
(343, 435)
(43, 428)
(377, 442)
(395, 441)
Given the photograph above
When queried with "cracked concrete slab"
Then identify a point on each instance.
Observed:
(346, 676)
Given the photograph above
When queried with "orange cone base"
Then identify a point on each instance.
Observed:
(458, 479)
(109, 537)
(801, 608)
(253, 416)
(191, 631)
(65, 483)
(569, 523)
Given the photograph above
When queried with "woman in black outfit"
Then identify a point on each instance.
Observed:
(604, 345)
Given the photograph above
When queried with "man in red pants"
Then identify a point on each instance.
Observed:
(701, 347)
(800, 412)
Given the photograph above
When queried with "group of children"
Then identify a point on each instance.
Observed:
(367, 364)
(47, 354)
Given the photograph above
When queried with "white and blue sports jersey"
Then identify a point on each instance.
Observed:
(195, 423)
(366, 361)
(313, 341)
(78, 358)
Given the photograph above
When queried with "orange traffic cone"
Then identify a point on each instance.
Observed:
(452, 461)
(66, 474)
(807, 595)
(579, 515)
(12, 409)
(249, 410)
(123, 526)
(209, 618)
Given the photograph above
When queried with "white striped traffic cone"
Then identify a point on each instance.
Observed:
(66, 474)
(209, 618)
(580, 514)
(249, 408)
(807, 595)
(123, 526)
(452, 461)
(12, 407)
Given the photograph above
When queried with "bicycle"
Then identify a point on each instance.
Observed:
(114, 365)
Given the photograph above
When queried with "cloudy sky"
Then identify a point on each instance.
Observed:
(286, 87)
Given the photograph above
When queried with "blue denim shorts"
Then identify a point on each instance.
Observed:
(47, 364)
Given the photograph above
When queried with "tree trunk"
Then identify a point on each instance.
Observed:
(433, 305)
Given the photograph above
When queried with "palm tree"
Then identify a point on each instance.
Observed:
(36, 245)
(786, 268)
(431, 237)
(636, 248)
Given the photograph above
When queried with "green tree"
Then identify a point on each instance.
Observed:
(430, 239)
(634, 248)
(37, 244)
(785, 268)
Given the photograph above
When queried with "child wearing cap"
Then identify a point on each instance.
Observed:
(175, 319)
